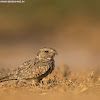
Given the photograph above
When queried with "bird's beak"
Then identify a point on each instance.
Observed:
(56, 53)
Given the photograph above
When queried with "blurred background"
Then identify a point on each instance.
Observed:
(72, 27)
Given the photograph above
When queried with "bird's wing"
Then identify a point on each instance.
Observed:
(31, 70)
(14, 74)
(40, 68)
(34, 68)
(26, 64)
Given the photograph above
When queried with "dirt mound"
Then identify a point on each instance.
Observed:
(62, 82)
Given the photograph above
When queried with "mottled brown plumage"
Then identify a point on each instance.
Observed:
(35, 69)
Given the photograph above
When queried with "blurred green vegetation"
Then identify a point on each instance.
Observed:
(44, 15)
(60, 7)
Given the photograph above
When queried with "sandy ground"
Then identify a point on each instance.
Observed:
(61, 84)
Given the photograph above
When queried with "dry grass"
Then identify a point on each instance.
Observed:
(62, 82)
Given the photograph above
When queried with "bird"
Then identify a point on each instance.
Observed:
(34, 69)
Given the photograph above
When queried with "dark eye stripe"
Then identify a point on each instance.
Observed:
(46, 51)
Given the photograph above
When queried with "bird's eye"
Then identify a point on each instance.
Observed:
(46, 51)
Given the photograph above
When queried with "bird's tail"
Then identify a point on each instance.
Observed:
(8, 76)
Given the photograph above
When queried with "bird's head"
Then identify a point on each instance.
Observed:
(46, 53)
